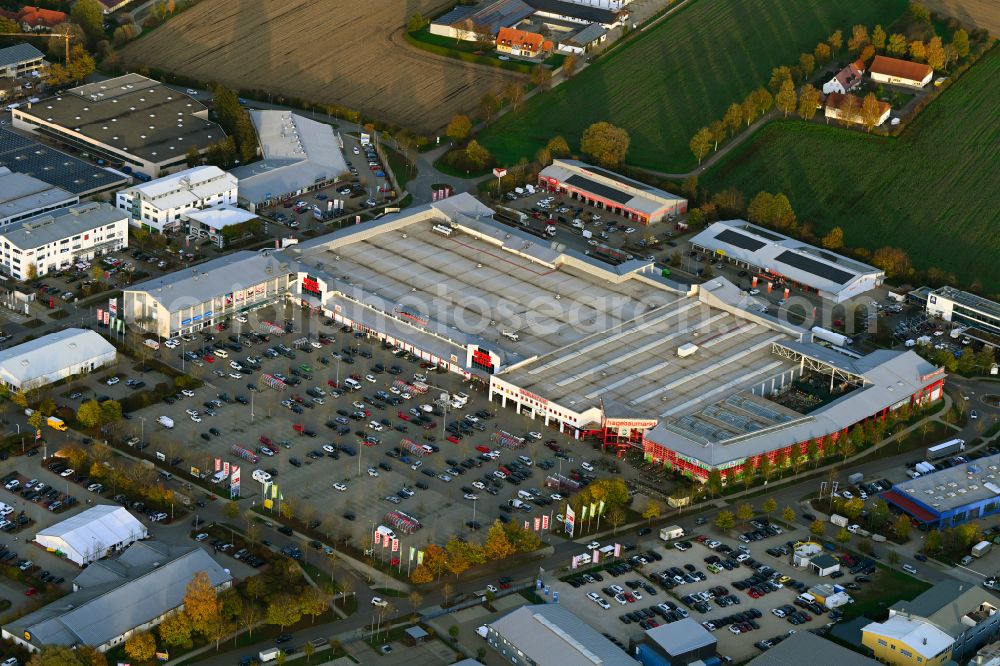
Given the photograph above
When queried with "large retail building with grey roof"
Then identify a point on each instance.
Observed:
(53, 357)
(641, 203)
(114, 599)
(694, 375)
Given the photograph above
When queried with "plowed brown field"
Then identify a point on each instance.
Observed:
(348, 52)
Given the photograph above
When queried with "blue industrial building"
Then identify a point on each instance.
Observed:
(952, 496)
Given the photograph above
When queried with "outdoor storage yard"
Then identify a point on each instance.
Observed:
(332, 51)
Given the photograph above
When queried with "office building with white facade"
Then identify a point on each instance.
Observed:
(159, 204)
(60, 238)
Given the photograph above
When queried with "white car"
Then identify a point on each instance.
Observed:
(370, 378)
(754, 292)
(630, 230)
(261, 476)
(394, 390)
(340, 486)
(241, 318)
(471, 497)
(196, 418)
(635, 593)
(235, 375)
(847, 494)
(587, 466)
(620, 598)
(372, 471)
(191, 412)
(188, 392)
(191, 91)
(329, 448)
(492, 589)
(376, 426)
(479, 485)
(556, 496)
(380, 602)
(66, 473)
(617, 589)
(112, 381)
(171, 344)
(535, 435)
(417, 464)
(593, 545)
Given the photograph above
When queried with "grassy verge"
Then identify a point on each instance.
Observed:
(464, 51)
(888, 587)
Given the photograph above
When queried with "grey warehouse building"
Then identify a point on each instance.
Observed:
(551, 635)
(22, 196)
(130, 120)
(114, 599)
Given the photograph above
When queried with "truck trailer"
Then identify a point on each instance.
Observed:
(981, 548)
(834, 338)
(945, 449)
(839, 521)
(672, 532)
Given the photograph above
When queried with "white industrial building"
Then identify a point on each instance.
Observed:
(92, 534)
(781, 259)
(23, 196)
(211, 222)
(159, 204)
(300, 155)
(979, 316)
(198, 297)
(56, 240)
(116, 598)
(52, 357)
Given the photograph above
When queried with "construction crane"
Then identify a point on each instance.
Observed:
(51, 35)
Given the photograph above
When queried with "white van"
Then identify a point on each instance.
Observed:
(220, 353)
(385, 531)
(219, 477)
(352, 384)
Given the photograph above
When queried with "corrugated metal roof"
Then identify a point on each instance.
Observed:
(821, 652)
(550, 635)
(13, 55)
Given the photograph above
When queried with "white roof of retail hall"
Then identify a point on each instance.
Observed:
(216, 278)
(95, 529)
(481, 281)
(298, 153)
(51, 354)
(609, 185)
(803, 263)
(889, 377)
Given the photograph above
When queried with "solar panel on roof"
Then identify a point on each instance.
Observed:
(24, 155)
(813, 266)
(599, 189)
(829, 256)
(739, 240)
(763, 233)
(617, 178)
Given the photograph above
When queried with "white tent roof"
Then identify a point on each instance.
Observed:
(95, 529)
(51, 354)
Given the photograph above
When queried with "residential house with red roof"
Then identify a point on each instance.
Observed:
(846, 79)
(847, 108)
(522, 43)
(35, 19)
(901, 72)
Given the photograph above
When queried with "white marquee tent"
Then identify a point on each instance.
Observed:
(92, 534)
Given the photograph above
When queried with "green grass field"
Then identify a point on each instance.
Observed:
(680, 75)
(934, 191)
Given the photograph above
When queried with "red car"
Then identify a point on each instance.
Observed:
(403, 415)
(266, 441)
(331, 383)
(483, 449)
(208, 358)
(298, 427)
(452, 438)
(30, 592)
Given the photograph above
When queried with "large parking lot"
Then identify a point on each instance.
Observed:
(732, 592)
(310, 437)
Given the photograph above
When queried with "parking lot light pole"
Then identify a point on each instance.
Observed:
(251, 405)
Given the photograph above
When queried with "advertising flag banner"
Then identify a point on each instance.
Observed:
(412, 553)
(420, 557)
(538, 523)
(545, 522)
(378, 538)
(583, 513)
(597, 556)
(570, 520)
(225, 467)
(575, 562)
(218, 464)
(593, 509)
(618, 550)
(274, 491)
(113, 306)
(600, 508)
(107, 318)
(100, 316)
(395, 545)
(527, 526)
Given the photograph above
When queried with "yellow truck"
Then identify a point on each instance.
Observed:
(58, 424)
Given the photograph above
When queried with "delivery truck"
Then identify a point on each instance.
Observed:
(834, 338)
(981, 548)
(55, 423)
(856, 478)
(672, 532)
(269, 654)
(839, 521)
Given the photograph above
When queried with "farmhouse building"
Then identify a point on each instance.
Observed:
(900, 72)
(611, 191)
(847, 108)
(522, 43)
(130, 121)
(35, 19)
(846, 79)
(583, 40)
(579, 13)
(474, 22)
(20, 60)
